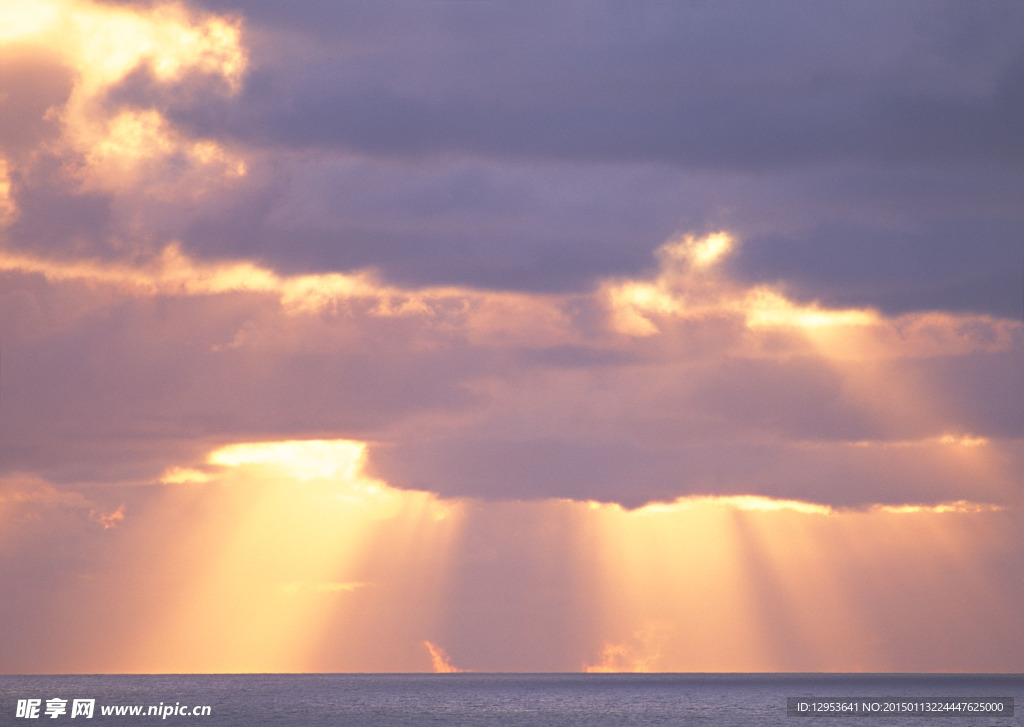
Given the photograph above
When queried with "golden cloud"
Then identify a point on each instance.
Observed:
(112, 149)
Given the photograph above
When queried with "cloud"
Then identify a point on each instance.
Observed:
(79, 173)
(641, 656)
(144, 334)
(440, 660)
(863, 156)
(471, 321)
(968, 263)
(400, 142)
(683, 383)
(729, 86)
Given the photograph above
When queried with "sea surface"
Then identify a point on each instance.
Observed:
(505, 700)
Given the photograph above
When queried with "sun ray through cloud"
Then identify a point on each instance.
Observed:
(335, 339)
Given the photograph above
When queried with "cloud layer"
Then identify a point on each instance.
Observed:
(458, 314)
(682, 383)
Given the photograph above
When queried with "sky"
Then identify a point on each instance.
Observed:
(443, 335)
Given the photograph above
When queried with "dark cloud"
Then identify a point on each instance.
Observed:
(867, 155)
(975, 391)
(459, 223)
(843, 475)
(967, 264)
(781, 429)
(729, 86)
(864, 156)
(55, 218)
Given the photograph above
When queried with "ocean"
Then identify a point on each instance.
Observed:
(514, 700)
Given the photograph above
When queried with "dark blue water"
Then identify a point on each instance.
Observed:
(494, 700)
